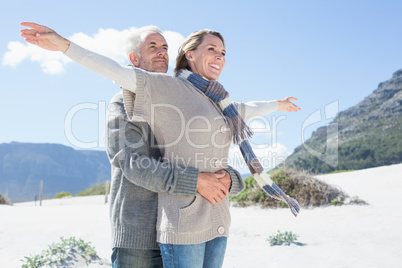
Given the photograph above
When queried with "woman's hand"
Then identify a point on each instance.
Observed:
(286, 105)
(44, 37)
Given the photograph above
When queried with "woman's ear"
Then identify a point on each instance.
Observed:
(135, 60)
(189, 55)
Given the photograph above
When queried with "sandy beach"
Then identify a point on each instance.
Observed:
(343, 236)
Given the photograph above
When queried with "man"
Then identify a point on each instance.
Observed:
(138, 172)
(135, 158)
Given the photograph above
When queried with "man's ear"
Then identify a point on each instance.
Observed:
(134, 58)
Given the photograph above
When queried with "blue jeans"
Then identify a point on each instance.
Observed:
(136, 258)
(206, 255)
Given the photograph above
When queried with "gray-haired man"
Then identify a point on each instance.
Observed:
(138, 172)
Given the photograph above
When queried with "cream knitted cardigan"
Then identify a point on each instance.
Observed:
(180, 220)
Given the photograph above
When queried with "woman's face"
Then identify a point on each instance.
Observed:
(208, 59)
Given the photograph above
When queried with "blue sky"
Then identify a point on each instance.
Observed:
(325, 53)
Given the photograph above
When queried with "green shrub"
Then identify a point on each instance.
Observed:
(57, 254)
(285, 238)
(62, 194)
(336, 202)
(99, 189)
(339, 171)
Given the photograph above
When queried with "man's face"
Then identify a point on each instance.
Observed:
(153, 54)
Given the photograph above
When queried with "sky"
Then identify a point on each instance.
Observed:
(328, 54)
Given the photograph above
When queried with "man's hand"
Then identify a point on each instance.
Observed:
(44, 37)
(226, 179)
(211, 187)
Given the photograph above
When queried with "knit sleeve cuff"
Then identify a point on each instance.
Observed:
(187, 180)
(237, 181)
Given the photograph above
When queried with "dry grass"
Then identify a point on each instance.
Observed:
(4, 201)
(307, 190)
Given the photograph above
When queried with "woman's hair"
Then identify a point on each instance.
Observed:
(190, 44)
(138, 36)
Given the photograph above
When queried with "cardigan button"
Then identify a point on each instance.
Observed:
(221, 230)
(224, 129)
(217, 163)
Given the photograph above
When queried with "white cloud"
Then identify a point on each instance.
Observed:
(16, 54)
(108, 42)
(259, 124)
(174, 41)
(51, 62)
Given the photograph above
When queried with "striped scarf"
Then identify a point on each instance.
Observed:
(241, 132)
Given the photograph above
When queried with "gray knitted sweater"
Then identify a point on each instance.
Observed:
(137, 176)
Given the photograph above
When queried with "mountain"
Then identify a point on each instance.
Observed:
(24, 165)
(366, 135)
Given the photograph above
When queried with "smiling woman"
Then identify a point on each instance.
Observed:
(209, 59)
(203, 52)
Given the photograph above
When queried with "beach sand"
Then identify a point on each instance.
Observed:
(334, 236)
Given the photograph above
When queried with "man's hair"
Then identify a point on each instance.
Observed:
(138, 36)
(191, 43)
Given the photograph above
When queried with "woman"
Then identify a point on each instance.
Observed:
(190, 128)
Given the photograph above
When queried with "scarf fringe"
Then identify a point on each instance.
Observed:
(265, 182)
(240, 130)
(242, 135)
